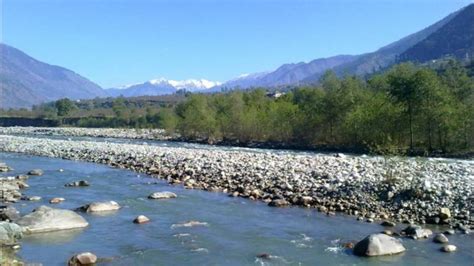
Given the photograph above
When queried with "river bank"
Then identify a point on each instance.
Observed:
(236, 231)
(369, 188)
(161, 135)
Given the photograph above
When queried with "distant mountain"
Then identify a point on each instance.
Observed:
(288, 74)
(162, 86)
(25, 81)
(387, 55)
(455, 38)
(458, 27)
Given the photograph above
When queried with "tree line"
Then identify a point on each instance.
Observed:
(406, 109)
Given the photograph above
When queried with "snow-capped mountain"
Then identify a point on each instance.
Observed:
(189, 84)
(162, 86)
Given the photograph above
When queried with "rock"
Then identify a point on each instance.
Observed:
(46, 219)
(101, 206)
(141, 219)
(369, 220)
(444, 213)
(278, 203)
(162, 195)
(449, 232)
(265, 256)
(305, 200)
(388, 224)
(22, 177)
(56, 200)
(80, 183)
(387, 232)
(85, 258)
(440, 238)
(449, 248)
(4, 167)
(8, 213)
(10, 233)
(416, 232)
(433, 220)
(378, 245)
(33, 198)
(35, 172)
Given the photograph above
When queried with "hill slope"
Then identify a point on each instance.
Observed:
(25, 81)
(456, 38)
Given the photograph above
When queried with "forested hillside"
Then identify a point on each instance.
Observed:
(407, 109)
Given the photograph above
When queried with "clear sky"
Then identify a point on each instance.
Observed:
(117, 42)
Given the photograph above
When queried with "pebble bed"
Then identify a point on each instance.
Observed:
(373, 188)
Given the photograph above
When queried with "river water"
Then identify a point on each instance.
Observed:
(237, 230)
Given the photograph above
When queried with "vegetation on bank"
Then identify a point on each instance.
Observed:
(406, 109)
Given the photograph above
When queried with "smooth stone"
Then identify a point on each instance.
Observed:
(388, 224)
(141, 219)
(80, 183)
(440, 238)
(9, 233)
(56, 200)
(378, 245)
(416, 232)
(46, 219)
(450, 232)
(449, 248)
(444, 213)
(34, 198)
(101, 206)
(36, 172)
(162, 195)
(278, 203)
(22, 177)
(85, 258)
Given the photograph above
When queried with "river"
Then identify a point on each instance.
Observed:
(238, 229)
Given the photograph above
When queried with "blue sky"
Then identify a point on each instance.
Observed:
(117, 42)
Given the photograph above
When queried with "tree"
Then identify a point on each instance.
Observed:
(64, 106)
(403, 91)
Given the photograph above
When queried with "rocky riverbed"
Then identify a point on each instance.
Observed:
(398, 190)
(145, 134)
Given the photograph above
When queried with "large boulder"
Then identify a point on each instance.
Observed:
(9, 233)
(378, 245)
(162, 195)
(46, 219)
(101, 206)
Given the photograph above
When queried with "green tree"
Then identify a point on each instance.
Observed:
(64, 106)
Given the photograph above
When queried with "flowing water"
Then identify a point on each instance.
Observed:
(237, 230)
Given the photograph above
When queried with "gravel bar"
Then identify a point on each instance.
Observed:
(396, 189)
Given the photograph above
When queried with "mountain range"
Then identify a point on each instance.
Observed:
(162, 86)
(26, 81)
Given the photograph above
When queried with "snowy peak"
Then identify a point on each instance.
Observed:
(189, 84)
(162, 86)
